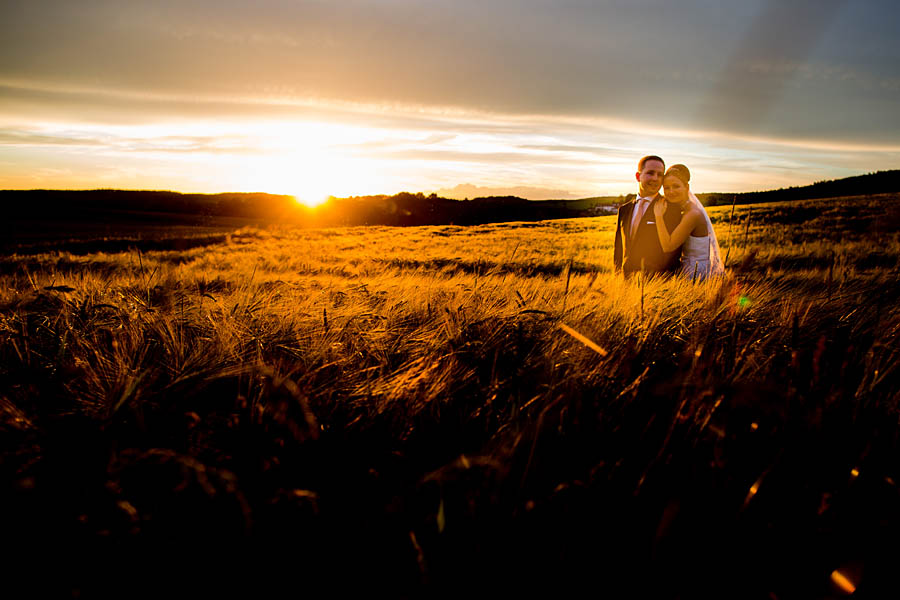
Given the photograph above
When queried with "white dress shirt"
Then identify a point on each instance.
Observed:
(640, 207)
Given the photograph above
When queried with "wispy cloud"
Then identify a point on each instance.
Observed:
(28, 138)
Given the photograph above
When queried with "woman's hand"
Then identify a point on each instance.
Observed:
(659, 209)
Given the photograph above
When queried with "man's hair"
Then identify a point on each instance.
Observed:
(650, 157)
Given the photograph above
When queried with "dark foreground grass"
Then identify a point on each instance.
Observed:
(402, 410)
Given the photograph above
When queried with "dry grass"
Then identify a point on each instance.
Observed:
(409, 404)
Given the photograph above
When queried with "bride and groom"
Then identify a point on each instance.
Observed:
(668, 233)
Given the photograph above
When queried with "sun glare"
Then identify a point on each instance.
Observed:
(311, 199)
(308, 178)
(309, 161)
(315, 181)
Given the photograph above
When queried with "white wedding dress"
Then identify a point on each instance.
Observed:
(700, 256)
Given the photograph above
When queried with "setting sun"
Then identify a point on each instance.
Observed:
(311, 180)
(311, 199)
(310, 161)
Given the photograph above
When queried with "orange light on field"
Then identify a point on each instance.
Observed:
(854, 473)
(843, 582)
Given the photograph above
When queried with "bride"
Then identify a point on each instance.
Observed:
(700, 256)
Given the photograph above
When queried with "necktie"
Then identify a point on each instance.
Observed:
(639, 214)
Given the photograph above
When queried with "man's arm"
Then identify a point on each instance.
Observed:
(617, 248)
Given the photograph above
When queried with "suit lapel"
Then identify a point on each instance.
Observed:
(647, 214)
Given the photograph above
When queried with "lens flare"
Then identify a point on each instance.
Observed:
(843, 582)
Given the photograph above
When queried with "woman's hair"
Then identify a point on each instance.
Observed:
(680, 171)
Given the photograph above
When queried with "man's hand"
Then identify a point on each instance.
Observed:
(659, 209)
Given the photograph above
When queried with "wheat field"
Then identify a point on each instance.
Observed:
(436, 409)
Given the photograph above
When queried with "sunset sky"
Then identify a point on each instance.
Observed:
(538, 98)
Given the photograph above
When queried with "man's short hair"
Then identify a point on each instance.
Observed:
(650, 157)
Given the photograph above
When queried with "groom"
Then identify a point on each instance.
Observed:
(637, 241)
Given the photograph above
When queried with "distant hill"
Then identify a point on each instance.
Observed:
(160, 207)
(880, 182)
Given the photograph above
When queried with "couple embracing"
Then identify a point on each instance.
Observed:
(668, 233)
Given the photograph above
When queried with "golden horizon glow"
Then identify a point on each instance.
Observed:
(371, 154)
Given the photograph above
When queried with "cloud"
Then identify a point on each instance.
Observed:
(110, 142)
(777, 45)
(28, 138)
(740, 67)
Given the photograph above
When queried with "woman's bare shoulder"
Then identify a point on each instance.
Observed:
(693, 212)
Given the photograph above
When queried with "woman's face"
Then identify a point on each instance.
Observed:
(675, 190)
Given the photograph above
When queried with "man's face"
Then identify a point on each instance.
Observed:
(650, 178)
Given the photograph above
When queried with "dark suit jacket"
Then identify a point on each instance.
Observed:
(631, 253)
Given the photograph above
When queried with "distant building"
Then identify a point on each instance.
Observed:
(600, 210)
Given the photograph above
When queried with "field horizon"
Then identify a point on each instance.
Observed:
(447, 409)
